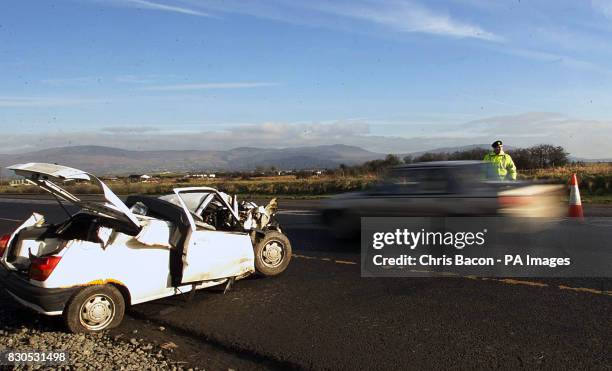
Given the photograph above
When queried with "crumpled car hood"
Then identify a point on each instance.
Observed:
(257, 217)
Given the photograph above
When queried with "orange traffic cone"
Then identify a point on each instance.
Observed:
(575, 205)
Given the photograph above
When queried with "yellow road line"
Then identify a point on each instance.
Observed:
(345, 262)
(507, 281)
(585, 289)
(511, 281)
(305, 257)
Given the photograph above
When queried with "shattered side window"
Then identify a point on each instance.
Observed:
(191, 199)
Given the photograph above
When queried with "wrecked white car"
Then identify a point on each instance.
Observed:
(112, 254)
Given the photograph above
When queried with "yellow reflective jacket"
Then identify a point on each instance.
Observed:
(502, 164)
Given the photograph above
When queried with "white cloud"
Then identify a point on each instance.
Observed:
(570, 39)
(69, 81)
(163, 7)
(135, 79)
(408, 16)
(583, 138)
(208, 86)
(44, 102)
(130, 129)
(403, 16)
(123, 79)
(564, 60)
(603, 6)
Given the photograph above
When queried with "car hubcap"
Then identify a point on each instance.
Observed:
(97, 312)
(272, 254)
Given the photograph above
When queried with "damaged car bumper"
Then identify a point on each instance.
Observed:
(49, 301)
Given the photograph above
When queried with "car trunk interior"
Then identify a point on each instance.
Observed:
(34, 240)
(47, 239)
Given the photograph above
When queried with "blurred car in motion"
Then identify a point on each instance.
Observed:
(443, 188)
(112, 254)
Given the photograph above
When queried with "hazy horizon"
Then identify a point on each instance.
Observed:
(449, 149)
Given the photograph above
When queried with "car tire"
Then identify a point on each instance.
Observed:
(272, 254)
(94, 309)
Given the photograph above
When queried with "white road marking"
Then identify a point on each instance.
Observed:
(12, 220)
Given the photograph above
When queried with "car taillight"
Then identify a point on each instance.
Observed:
(41, 268)
(509, 201)
(4, 240)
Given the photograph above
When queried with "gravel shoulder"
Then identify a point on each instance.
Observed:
(138, 343)
(22, 330)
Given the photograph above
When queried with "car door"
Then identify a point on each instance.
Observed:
(211, 253)
(217, 254)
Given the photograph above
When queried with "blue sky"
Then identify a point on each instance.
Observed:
(388, 75)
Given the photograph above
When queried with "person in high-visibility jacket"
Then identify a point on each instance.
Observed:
(502, 162)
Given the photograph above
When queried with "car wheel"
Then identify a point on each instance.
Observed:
(94, 308)
(272, 254)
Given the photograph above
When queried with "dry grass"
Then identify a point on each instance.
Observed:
(593, 179)
(600, 168)
(314, 186)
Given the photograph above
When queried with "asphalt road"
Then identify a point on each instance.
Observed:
(320, 314)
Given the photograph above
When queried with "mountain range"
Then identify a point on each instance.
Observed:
(115, 161)
(108, 160)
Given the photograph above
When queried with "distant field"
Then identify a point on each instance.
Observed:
(595, 182)
(278, 185)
